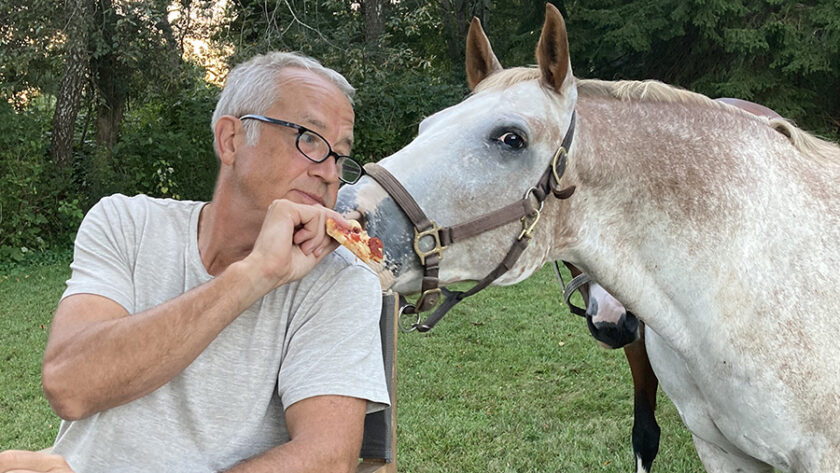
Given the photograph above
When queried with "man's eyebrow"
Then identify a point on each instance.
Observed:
(312, 122)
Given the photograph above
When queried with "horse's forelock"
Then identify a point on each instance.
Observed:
(507, 78)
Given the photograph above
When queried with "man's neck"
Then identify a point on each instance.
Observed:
(226, 233)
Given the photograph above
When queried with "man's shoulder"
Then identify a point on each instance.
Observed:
(341, 270)
(122, 210)
(343, 259)
(138, 215)
(143, 202)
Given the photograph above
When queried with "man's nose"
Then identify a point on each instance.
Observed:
(326, 170)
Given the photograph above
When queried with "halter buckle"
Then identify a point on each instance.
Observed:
(433, 293)
(432, 232)
(559, 157)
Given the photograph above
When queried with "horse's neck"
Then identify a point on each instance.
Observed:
(673, 202)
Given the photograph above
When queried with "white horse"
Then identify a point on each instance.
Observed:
(719, 229)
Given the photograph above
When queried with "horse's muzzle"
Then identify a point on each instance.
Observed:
(386, 221)
(615, 334)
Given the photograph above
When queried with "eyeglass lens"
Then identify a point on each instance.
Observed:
(350, 170)
(317, 149)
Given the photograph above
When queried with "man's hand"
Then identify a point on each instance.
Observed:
(292, 240)
(20, 461)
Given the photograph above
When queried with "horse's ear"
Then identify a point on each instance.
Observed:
(553, 49)
(481, 62)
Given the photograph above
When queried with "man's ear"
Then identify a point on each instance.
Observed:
(227, 127)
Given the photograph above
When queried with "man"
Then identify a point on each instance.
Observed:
(227, 336)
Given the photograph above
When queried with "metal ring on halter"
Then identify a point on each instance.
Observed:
(400, 323)
(531, 191)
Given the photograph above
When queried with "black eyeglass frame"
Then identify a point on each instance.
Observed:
(340, 159)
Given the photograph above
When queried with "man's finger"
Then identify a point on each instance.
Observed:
(25, 461)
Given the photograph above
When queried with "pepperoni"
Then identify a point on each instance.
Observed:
(375, 245)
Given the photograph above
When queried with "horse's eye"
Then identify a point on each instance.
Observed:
(513, 140)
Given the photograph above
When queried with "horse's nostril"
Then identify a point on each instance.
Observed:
(631, 323)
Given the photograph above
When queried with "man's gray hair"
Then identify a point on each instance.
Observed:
(251, 87)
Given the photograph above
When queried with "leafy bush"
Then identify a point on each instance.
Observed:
(166, 147)
(37, 204)
(389, 107)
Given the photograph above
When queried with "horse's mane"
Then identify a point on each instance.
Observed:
(655, 91)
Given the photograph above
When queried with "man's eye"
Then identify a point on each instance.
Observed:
(513, 140)
(309, 138)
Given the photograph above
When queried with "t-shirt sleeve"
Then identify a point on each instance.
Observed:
(334, 346)
(101, 260)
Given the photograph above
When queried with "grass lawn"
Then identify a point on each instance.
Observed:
(28, 297)
(509, 381)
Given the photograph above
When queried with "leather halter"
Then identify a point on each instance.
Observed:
(430, 239)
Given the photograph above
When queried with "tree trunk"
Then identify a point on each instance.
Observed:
(70, 93)
(451, 15)
(109, 115)
(373, 12)
(110, 79)
(481, 10)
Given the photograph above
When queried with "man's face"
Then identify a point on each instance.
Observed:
(274, 168)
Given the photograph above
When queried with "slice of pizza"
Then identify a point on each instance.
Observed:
(355, 239)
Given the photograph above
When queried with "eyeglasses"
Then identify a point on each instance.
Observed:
(317, 149)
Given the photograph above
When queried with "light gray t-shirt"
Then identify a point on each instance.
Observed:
(316, 336)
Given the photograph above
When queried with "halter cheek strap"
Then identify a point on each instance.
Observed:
(430, 240)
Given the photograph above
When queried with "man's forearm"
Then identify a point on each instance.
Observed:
(294, 458)
(98, 361)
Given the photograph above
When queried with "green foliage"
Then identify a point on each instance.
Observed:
(35, 200)
(29, 61)
(165, 151)
(166, 147)
(390, 107)
(133, 43)
(781, 54)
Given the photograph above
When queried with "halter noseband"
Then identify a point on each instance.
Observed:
(430, 239)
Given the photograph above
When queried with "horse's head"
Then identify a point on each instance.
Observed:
(471, 160)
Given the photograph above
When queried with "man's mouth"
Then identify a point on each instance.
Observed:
(310, 198)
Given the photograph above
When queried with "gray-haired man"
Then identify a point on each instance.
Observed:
(230, 335)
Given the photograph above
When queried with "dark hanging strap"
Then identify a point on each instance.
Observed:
(454, 297)
(576, 283)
